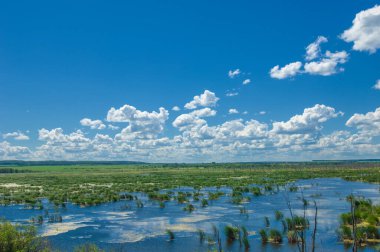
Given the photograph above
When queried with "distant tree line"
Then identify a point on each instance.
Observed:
(13, 170)
(53, 162)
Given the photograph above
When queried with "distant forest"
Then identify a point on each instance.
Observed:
(8, 163)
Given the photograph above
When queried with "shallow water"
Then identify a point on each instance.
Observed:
(110, 226)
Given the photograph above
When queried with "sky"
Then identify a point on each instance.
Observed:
(190, 81)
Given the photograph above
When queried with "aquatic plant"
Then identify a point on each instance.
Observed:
(293, 188)
(263, 235)
(139, 204)
(358, 225)
(201, 235)
(232, 233)
(215, 196)
(204, 203)
(243, 210)
(158, 196)
(88, 248)
(56, 217)
(162, 204)
(181, 198)
(266, 221)
(275, 236)
(256, 191)
(38, 220)
(292, 236)
(268, 188)
(189, 207)
(126, 196)
(245, 238)
(170, 234)
(278, 215)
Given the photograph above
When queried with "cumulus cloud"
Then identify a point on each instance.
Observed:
(262, 112)
(365, 30)
(205, 112)
(308, 122)
(207, 99)
(233, 111)
(9, 151)
(193, 118)
(176, 108)
(93, 124)
(198, 138)
(286, 71)
(377, 85)
(313, 50)
(328, 65)
(231, 140)
(77, 146)
(316, 63)
(246, 81)
(233, 73)
(16, 135)
(368, 123)
(57, 135)
(142, 124)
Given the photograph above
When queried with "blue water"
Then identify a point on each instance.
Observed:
(111, 226)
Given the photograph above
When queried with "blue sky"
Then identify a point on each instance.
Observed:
(63, 62)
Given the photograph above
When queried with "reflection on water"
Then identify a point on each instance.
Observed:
(143, 229)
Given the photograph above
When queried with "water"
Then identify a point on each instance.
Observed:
(111, 226)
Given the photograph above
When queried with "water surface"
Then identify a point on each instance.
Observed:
(124, 227)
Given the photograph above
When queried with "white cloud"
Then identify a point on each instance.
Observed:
(234, 140)
(93, 124)
(309, 122)
(193, 118)
(365, 30)
(327, 65)
(233, 111)
(233, 73)
(113, 127)
(262, 112)
(176, 108)
(251, 129)
(73, 146)
(142, 124)
(57, 135)
(368, 123)
(230, 94)
(16, 135)
(207, 99)
(205, 112)
(286, 71)
(313, 50)
(8, 151)
(246, 81)
(198, 138)
(317, 63)
(377, 85)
